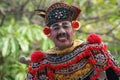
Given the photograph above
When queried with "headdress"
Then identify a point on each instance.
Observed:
(58, 12)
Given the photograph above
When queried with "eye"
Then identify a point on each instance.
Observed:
(65, 27)
(56, 28)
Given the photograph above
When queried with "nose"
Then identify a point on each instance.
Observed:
(61, 30)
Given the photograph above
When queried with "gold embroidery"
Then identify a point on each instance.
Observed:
(78, 74)
(57, 51)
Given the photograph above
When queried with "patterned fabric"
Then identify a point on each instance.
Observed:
(77, 71)
(61, 11)
(83, 62)
(65, 57)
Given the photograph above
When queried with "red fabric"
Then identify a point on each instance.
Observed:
(75, 24)
(94, 38)
(37, 56)
(91, 61)
(46, 30)
(50, 75)
(33, 72)
(34, 79)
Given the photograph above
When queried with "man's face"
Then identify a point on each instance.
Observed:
(62, 34)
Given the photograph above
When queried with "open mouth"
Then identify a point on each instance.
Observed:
(62, 37)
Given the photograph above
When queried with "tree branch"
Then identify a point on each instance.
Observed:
(2, 21)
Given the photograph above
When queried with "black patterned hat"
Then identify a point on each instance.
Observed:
(59, 12)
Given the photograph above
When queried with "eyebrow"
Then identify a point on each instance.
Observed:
(64, 23)
(54, 25)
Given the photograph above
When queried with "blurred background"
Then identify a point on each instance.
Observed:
(21, 30)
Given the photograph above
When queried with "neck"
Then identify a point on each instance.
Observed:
(64, 47)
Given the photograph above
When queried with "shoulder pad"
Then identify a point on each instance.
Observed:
(37, 56)
(94, 38)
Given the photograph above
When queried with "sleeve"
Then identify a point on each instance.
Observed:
(101, 59)
(39, 68)
(37, 71)
(33, 70)
(30, 74)
(115, 72)
(36, 68)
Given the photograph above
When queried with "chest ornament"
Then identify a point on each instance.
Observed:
(96, 54)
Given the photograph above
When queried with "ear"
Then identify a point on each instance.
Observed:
(76, 25)
(40, 12)
(46, 31)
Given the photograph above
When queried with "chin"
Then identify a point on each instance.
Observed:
(64, 45)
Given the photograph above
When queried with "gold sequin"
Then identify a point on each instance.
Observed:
(75, 75)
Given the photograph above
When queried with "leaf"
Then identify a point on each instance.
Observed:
(44, 44)
(12, 21)
(99, 2)
(14, 47)
(30, 35)
(20, 76)
(84, 36)
(38, 34)
(26, 21)
(24, 44)
(50, 44)
(22, 30)
(6, 47)
(10, 28)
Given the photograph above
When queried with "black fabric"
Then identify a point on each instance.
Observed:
(60, 12)
(111, 75)
(87, 78)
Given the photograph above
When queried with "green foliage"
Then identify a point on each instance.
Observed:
(21, 30)
(13, 70)
(16, 39)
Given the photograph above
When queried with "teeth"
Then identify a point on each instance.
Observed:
(62, 38)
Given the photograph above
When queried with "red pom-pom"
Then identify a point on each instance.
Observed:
(76, 25)
(94, 38)
(46, 30)
(37, 56)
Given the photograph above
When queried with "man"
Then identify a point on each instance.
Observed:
(70, 59)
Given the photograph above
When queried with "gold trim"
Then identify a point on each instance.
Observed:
(78, 74)
(55, 50)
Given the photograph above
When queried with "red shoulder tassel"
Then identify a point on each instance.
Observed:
(37, 56)
(94, 38)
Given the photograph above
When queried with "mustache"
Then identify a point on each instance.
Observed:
(62, 35)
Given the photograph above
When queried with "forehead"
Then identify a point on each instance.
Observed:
(61, 23)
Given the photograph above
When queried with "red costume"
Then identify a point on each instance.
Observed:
(88, 60)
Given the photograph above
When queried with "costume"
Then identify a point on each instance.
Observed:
(88, 60)
(80, 62)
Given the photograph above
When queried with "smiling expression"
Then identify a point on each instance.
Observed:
(62, 34)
